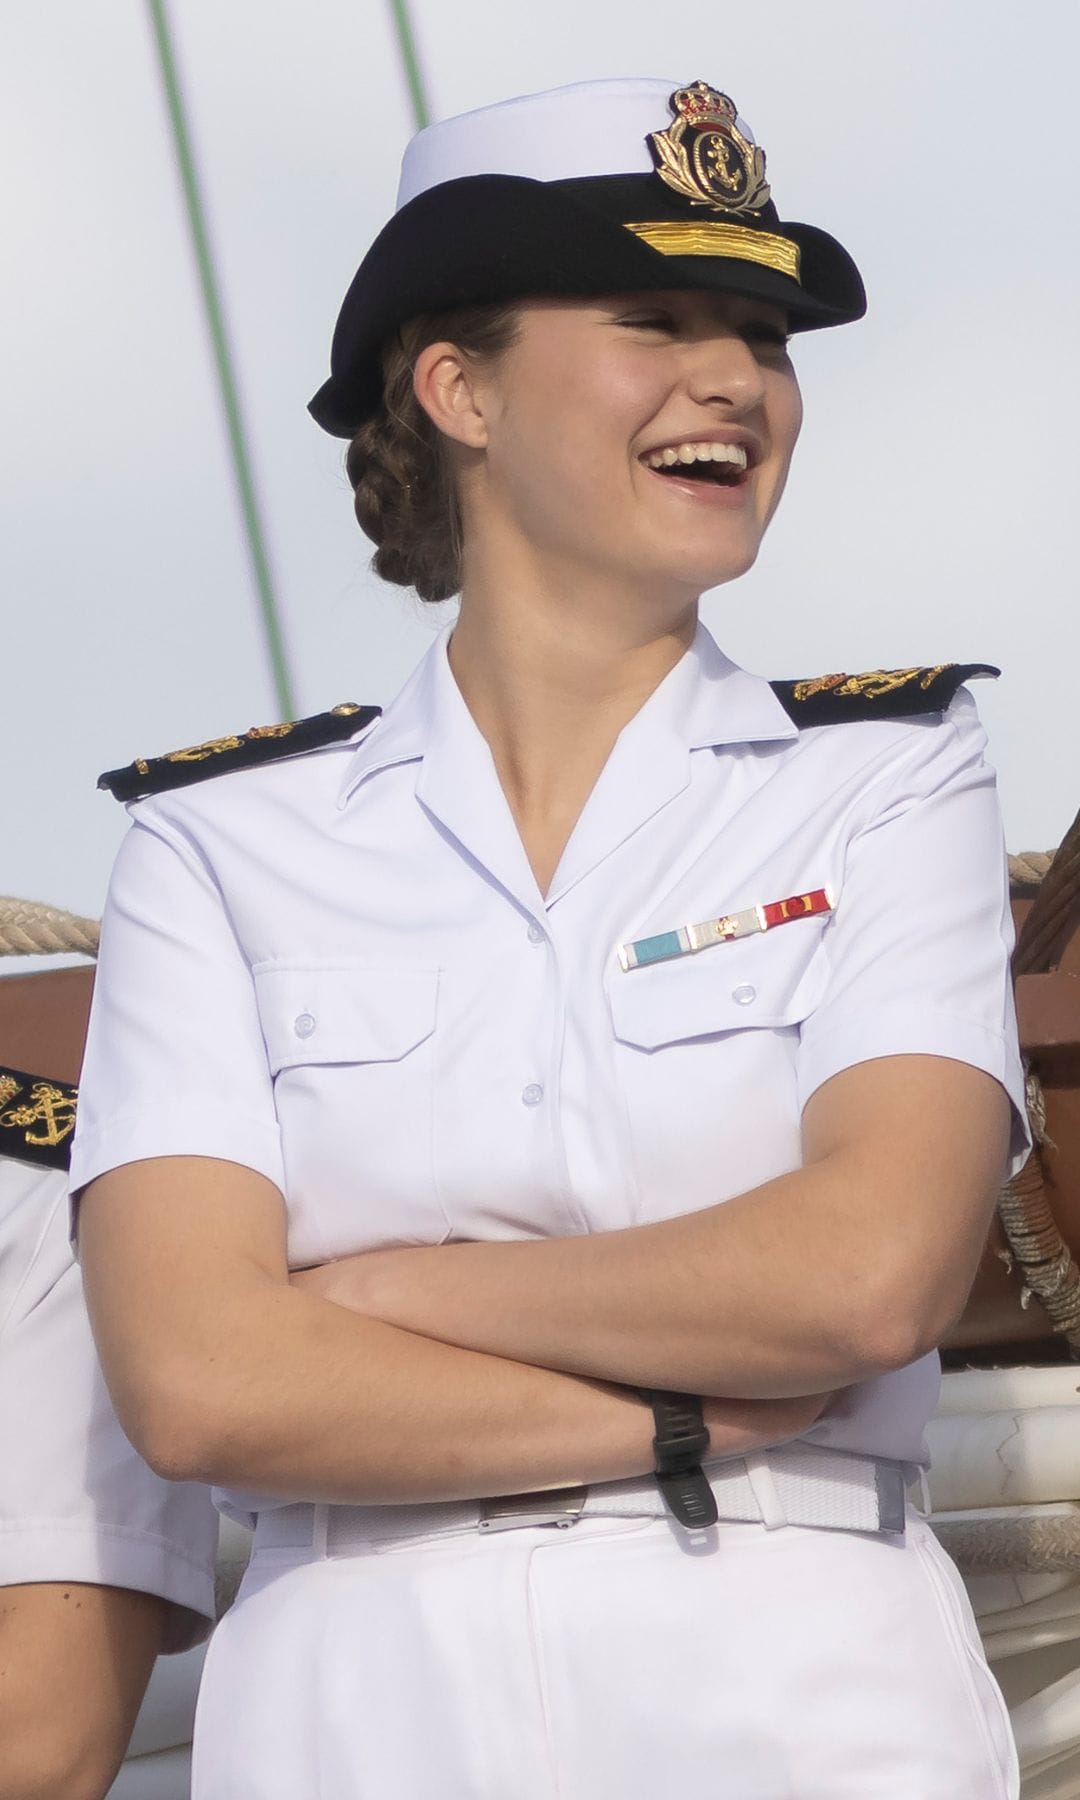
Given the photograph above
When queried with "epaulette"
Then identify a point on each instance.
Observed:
(877, 694)
(37, 1118)
(262, 744)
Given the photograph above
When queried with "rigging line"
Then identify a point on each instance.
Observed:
(223, 363)
(413, 76)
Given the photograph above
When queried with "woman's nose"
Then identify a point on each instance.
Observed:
(726, 369)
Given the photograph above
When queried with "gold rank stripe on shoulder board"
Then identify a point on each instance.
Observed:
(37, 1118)
(876, 693)
(243, 750)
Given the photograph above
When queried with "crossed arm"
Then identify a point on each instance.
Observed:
(859, 1261)
(485, 1368)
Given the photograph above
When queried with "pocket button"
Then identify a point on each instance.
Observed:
(304, 1024)
(744, 994)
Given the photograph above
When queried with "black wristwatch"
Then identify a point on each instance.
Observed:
(681, 1437)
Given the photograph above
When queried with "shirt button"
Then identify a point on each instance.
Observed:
(533, 1094)
(536, 933)
(303, 1025)
(744, 995)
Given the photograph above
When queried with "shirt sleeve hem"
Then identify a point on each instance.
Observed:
(158, 1131)
(916, 1031)
(114, 1556)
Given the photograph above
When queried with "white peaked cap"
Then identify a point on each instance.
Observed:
(590, 128)
(558, 194)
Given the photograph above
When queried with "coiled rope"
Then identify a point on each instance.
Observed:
(1032, 1546)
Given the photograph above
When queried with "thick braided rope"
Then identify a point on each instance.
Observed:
(1045, 1261)
(1021, 1546)
(28, 928)
(1055, 911)
(1028, 867)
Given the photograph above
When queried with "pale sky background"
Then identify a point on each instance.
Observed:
(932, 512)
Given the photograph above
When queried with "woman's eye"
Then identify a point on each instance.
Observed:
(774, 336)
(653, 322)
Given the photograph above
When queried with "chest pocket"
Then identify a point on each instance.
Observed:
(352, 1052)
(344, 1015)
(773, 979)
(705, 1053)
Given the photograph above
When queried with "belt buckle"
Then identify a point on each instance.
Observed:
(560, 1507)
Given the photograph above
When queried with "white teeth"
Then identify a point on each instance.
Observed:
(691, 453)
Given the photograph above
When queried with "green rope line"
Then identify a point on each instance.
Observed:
(407, 45)
(230, 400)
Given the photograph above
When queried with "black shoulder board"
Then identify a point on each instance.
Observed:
(37, 1118)
(877, 694)
(263, 743)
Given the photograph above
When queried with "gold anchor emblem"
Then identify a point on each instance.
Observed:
(705, 157)
(48, 1106)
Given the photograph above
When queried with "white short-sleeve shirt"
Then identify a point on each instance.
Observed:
(338, 970)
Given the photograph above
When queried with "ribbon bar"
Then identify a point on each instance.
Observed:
(688, 939)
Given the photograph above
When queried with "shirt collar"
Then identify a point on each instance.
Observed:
(705, 701)
(711, 701)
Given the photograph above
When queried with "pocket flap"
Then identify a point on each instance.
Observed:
(772, 979)
(343, 1014)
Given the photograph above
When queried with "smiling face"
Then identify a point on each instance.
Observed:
(645, 437)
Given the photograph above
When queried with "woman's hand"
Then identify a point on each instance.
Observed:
(739, 1425)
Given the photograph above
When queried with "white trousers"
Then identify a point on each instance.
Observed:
(616, 1660)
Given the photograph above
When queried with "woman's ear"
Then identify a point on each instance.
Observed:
(445, 386)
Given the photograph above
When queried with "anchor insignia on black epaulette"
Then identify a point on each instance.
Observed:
(40, 1121)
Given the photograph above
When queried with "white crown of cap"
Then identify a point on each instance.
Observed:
(591, 128)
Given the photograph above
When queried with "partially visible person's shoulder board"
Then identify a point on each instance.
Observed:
(876, 694)
(244, 750)
(37, 1118)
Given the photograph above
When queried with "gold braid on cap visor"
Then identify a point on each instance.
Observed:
(711, 237)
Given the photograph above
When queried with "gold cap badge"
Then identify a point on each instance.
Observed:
(705, 157)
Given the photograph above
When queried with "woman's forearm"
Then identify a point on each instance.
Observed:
(645, 1305)
(855, 1264)
(322, 1404)
(325, 1405)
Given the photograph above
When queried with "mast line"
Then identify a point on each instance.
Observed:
(223, 361)
(406, 38)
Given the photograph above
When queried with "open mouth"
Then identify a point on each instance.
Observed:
(722, 465)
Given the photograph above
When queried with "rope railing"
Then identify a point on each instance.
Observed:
(28, 928)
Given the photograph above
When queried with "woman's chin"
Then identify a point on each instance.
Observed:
(707, 568)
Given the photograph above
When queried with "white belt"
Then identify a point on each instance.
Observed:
(794, 1484)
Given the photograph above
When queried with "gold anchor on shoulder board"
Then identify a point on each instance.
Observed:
(48, 1106)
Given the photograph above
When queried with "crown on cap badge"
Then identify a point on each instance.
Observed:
(705, 157)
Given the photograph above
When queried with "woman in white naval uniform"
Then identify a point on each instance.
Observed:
(602, 1021)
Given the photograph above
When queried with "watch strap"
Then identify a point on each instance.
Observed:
(681, 1437)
